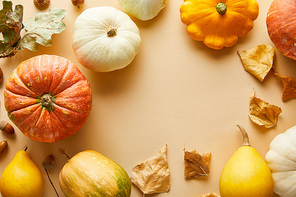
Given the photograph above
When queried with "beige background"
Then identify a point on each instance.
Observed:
(176, 92)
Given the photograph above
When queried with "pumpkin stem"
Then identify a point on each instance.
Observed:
(221, 8)
(112, 32)
(47, 101)
(246, 141)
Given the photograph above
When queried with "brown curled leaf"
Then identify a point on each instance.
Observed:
(153, 175)
(196, 164)
(262, 113)
(289, 87)
(258, 60)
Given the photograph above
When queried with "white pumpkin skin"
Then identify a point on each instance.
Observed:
(97, 51)
(281, 159)
(143, 9)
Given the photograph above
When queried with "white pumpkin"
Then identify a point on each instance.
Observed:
(105, 39)
(143, 9)
(281, 159)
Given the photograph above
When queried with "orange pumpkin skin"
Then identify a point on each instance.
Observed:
(48, 98)
(281, 26)
(218, 29)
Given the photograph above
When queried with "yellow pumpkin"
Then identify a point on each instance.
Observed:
(219, 23)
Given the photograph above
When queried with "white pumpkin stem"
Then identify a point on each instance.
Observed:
(112, 32)
(246, 141)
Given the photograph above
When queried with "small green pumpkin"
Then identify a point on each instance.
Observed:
(90, 173)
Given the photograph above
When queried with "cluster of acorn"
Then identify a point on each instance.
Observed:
(7, 128)
(4, 126)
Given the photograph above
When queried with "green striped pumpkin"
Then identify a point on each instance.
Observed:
(90, 173)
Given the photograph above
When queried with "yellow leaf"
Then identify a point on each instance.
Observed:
(289, 87)
(196, 164)
(263, 113)
(258, 61)
(153, 175)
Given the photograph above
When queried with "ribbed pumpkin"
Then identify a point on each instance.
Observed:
(48, 98)
(105, 39)
(281, 26)
(219, 23)
(90, 173)
(281, 159)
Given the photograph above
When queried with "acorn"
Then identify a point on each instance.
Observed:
(3, 145)
(77, 2)
(6, 127)
(41, 4)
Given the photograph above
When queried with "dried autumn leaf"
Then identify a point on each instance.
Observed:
(153, 175)
(263, 113)
(11, 26)
(40, 29)
(258, 60)
(210, 195)
(196, 164)
(289, 87)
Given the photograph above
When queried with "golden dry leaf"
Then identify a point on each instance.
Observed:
(263, 113)
(289, 87)
(196, 164)
(153, 175)
(258, 60)
(210, 195)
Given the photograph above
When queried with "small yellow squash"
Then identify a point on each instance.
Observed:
(219, 23)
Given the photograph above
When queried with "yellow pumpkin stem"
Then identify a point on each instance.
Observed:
(221, 8)
(246, 141)
(25, 148)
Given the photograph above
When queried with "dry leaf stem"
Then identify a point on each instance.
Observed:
(63, 151)
(51, 182)
(48, 164)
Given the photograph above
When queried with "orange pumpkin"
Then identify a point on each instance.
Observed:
(219, 23)
(47, 98)
(281, 26)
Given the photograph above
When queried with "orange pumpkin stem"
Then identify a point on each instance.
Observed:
(221, 8)
(47, 101)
